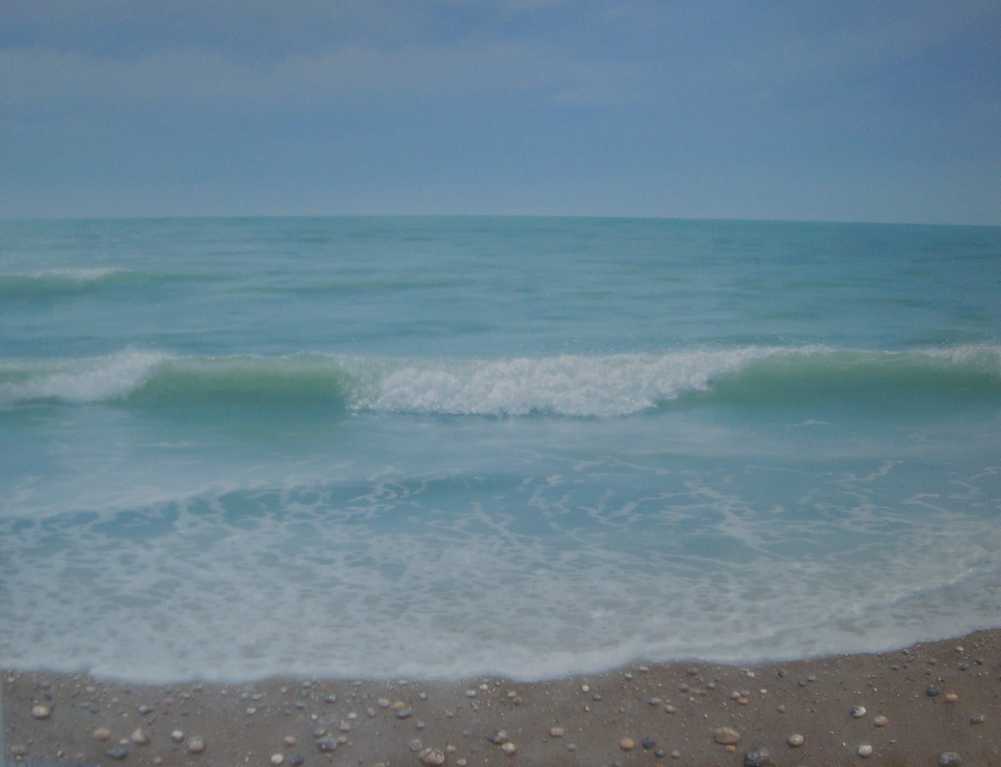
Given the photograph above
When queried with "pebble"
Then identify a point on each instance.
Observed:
(759, 757)
(499, 738)
(18, 751)
(404, 713)
(41, 712)
(627, 744)
(415, 745)
(177, 736)
(978, 719)
(865, 751)
(117, 753)
(144, 709)
(289, 740)
(648, 743)
(326, 745)
(196, 745)
(880, 720)
(676, 754)
(949, 759)
(951, 697)
(102, 733)
(795, 740)
(557, 732)
(726, 736)
(277, 759)
(858, 712)
(670, 709)
(432, 757)
(933, 691)
(509, 748)
(139, 737)
(296, 760)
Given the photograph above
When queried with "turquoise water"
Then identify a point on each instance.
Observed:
(529, 446)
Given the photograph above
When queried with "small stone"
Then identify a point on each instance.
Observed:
(177, 736)
(405, 713)
(509, 748)
(978, 719)
(383, 702)
(144, 709)
(415, 745)
(648, 743)
(557, 732)
(670, 709)
(289, 740)
(344, 726)
(196, 745)
(627, 744)
(949, 759)
(858, 712)
(726, 736)
(327, 745)
(102, 734)
(296, 760)
(277, 759)
(880, 721)
(432, 757)
(795, 740)
(139, 737)
(865, 751)
(676, 754)
(933, 691)
(759, 757)
(117, 753)
(41, 712)
(18, 751)
(952, 697)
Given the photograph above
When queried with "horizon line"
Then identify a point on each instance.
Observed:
(620, 217)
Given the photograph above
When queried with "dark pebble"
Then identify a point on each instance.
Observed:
(759, 757)
(933, 691)
(117, 753)
(326, 745)
(949, 759)
(297, 760)
(648, 743)
(660, 753)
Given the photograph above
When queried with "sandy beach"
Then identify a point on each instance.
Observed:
(930, 704)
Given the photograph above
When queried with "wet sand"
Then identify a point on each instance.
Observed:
(935, 697)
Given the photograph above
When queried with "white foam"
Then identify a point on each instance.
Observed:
(311, 581)
(86, 380)
(571, 385)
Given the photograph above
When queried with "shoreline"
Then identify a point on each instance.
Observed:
(936, 697)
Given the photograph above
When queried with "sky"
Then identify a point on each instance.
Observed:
(852, 110)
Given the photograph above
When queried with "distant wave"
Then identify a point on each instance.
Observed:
(565, 385)
(52, 283)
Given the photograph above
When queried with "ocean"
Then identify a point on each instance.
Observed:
(447, 447)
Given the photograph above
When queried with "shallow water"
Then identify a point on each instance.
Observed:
(450, 446)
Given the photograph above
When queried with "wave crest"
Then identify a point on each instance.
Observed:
(565, 385)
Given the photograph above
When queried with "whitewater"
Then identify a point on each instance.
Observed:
(443, 447)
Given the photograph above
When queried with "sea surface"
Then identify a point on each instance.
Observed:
(440, 447)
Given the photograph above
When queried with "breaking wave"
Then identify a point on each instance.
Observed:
(566, 385)
(53, 283)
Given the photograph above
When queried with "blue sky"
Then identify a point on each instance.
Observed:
(877, 111)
